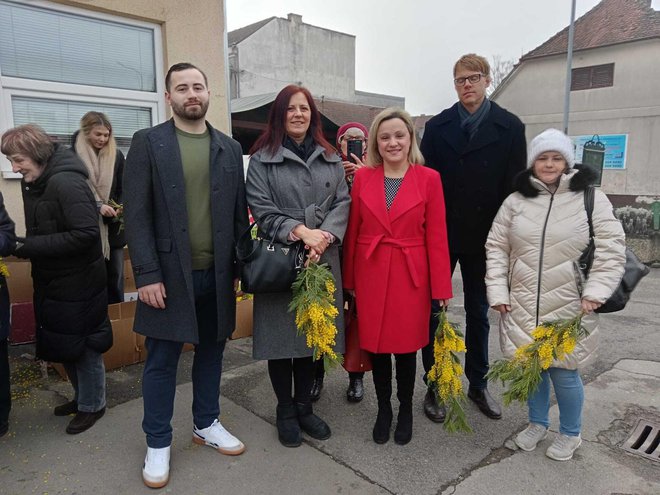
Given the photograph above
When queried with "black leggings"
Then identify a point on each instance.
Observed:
(406, 365)
(282, 370)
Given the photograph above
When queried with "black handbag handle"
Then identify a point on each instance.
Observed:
(244, 248)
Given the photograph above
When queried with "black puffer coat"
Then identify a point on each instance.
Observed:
(68, 271)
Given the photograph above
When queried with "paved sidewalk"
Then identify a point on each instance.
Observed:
(38, 457)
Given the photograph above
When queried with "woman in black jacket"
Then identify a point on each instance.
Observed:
(95, 145)
(62, 241)
(7, 242)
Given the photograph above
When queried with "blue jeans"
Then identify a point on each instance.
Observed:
(570, 397)
(473, 272)
(87, 375)
(159, 378)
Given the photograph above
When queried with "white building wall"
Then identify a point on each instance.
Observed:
(288, 51)
(631, 106)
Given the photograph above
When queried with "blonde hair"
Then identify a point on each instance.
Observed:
(93, 119)
(475, 62)
(373, 156)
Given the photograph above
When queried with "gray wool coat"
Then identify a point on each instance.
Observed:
(156, 221)
(314, 193)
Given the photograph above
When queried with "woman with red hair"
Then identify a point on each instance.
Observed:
(296, 191)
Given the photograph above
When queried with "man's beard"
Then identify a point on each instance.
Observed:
(191, 113)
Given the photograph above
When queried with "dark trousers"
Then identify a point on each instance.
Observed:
(114, 268)
(473, 272)
(283, 371)
(159, 379)
(5, 392)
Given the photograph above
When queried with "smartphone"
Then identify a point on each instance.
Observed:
(354, 146)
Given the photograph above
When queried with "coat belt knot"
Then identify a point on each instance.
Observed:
(401, 243)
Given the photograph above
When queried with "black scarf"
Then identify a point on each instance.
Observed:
(470, 121)
(303, 150)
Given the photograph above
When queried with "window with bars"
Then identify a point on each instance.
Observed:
(594, 76)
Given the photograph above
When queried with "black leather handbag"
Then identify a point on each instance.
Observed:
(634, 270)
(268, 266)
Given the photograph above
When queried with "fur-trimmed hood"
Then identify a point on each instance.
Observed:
(578, 179)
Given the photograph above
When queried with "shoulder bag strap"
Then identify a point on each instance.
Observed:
(589, 194)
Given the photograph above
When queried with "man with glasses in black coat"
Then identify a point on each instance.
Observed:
(478, 147)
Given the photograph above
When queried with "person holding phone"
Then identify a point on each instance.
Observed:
(351, 147)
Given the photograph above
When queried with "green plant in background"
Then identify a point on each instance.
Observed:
(637, 222)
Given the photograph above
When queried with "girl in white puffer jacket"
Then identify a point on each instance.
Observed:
(532, 276)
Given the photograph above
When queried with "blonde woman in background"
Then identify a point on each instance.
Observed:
(95, 145)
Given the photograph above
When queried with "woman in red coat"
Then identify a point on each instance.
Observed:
(395, 261)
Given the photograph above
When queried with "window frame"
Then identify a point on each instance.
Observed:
(13, 86)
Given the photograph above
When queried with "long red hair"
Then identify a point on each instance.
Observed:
(271, 139)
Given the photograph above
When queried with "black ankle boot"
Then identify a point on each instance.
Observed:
(310, 423)
(404, 425)
(288, 429)
(381, 431)
(355, 391)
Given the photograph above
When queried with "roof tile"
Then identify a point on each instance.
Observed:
(608, 23)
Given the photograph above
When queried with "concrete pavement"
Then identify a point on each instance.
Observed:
(623, 386)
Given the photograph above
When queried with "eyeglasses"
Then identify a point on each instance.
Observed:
(474, 78)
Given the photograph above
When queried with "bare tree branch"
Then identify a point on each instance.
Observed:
(499, 69)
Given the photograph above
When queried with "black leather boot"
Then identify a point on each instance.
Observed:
(83, 421)
(66, 409)
(405, 386)
(382, 375)
(355, 391)
(317, 386)
(310, 423)
(288, 428)
(434, 411)
(485, 402)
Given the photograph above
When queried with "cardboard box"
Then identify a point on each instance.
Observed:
(243, 319)
(124, 350)
(19, 281)
(129, 280)
(128, 347)
(22, 324)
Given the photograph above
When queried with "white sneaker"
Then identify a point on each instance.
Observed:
(529, 438)
(220, 439)
(156, 469)
(563, 447)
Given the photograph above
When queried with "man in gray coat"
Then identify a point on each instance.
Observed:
(184, 210)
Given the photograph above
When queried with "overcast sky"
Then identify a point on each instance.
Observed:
(408, 48)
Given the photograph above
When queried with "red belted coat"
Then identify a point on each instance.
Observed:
(396, 260)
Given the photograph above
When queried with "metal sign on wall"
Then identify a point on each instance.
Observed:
(616, 146)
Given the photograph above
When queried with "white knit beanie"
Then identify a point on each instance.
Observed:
(551, 140)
